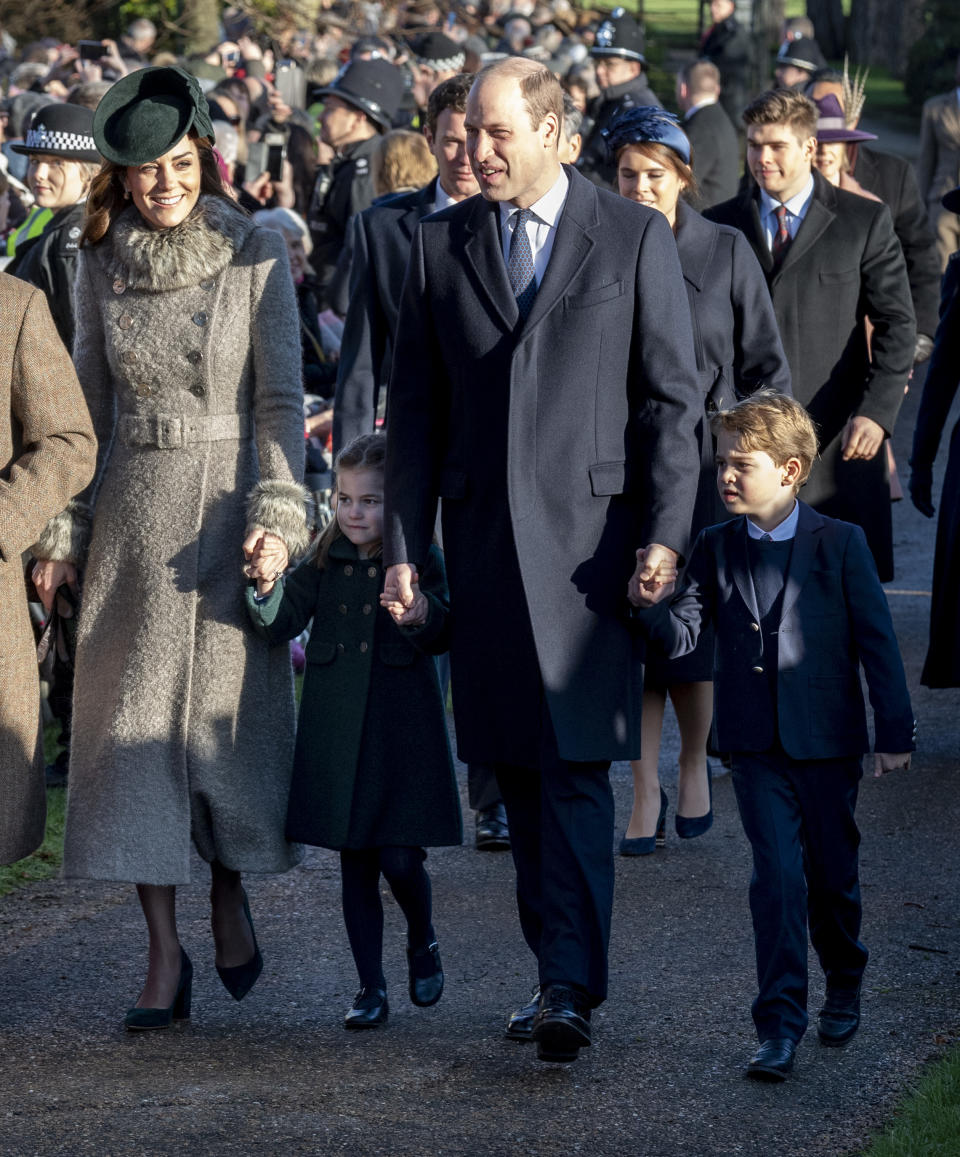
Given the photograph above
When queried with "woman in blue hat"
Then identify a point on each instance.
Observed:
(738, 350)
(188, 349)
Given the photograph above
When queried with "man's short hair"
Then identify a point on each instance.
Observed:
(542, 93)
(783, 106)
(142, 29)
(572, 118)
(774, 424)
(701, 76)
(451, 93)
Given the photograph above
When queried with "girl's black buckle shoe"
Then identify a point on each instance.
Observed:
(426, 975)
(140, 1019)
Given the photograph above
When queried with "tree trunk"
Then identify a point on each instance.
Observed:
(200, 20)
(882, 32)
(827, 17)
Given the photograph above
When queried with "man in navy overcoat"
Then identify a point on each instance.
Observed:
(544, 387)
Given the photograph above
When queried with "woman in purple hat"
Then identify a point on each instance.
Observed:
(834, 134)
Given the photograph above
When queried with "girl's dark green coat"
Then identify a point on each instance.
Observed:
(372, 764)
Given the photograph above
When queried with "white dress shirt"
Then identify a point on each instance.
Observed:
(442, 200)
(781, 532)
(541, 228)
(796, 207)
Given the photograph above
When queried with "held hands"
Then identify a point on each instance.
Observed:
(48, 577)
(862, 438)
(654, 577)
(402, 596)
(268, 559)
(884, 763)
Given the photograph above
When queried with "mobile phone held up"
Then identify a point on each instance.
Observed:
(290, 82)
(91, 49)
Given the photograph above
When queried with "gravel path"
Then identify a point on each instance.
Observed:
(278, 1075)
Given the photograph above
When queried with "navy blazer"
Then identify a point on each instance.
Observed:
(834, 619)
(558, 447)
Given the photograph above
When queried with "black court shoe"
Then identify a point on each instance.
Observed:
(240, 978)
(141, 1019)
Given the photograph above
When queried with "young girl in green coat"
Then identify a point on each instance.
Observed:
(373, 776)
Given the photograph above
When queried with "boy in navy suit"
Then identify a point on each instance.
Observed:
(797, 607)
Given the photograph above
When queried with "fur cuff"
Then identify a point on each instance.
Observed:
(280, 508)
(66, 536)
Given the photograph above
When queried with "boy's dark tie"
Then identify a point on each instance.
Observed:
(781, 239)
(523, 279)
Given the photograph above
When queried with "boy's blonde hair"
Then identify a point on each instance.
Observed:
(774, 424)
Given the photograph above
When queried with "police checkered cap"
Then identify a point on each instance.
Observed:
(61, 130)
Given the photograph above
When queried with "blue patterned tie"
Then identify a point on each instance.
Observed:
(523, 279)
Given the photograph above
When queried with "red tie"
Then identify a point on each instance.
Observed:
(781, 239)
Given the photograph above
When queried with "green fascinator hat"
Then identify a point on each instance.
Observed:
(146, 113)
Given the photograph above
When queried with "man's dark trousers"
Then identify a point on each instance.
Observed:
(561, 827)
(799, 818)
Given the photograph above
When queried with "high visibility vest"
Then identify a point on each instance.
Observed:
(34, 225)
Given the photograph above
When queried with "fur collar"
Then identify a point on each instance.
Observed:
(198, 249)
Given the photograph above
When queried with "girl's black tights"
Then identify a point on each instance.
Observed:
(363, 912)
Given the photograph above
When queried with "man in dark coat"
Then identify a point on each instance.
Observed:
(727, 45)
(621, 73)
(831, 259)
(548, 395)
(712, 137)
(358, 106)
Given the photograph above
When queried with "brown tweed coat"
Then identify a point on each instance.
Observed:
(189, 353)
(47, 455)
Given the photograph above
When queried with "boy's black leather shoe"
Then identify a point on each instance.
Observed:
(772, 1061)
(839, 1018)
(520, 1025)
(369, 1009)
(562, 1025)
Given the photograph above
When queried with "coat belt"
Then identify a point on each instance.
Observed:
(168, 432)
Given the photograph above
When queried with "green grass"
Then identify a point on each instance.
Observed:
(928, 1123)
(45, 861)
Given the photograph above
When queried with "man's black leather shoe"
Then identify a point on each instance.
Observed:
(839, 1018)
(369, 1009)
(520, 1025)
(562, 1025)
(493, 835)
(772, 1061)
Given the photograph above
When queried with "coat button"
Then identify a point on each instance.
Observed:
(342, 608)
(757, 670)
(119, 285)
(367, 608)
(198, 391)
(754, 626)
(372, 572)
(348, 570)
(195, 357)
(128, 357)
(207, 285)
(125, 321)
(144, 391)
(363, 646)
(340, 648)
(200, 318)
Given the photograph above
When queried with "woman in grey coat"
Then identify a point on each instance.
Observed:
(738, 349)
(188, 350)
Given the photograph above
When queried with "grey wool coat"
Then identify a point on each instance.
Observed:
(383, 775)
(189, 353)
(47, 454)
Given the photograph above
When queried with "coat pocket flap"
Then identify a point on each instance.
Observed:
(607, 478)
(594, 296)
(321, 652)
(397, 654)
(832, 276)
(453, 484)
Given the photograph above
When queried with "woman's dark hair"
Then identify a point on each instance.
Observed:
(106, 199)
(365, 452)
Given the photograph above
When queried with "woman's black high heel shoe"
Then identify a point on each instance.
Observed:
(647, 845)
(689, 827)
(139, 1019)
(239, 979)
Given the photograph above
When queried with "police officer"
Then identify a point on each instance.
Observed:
(359, 105)
(798, 62)
(621, 74)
